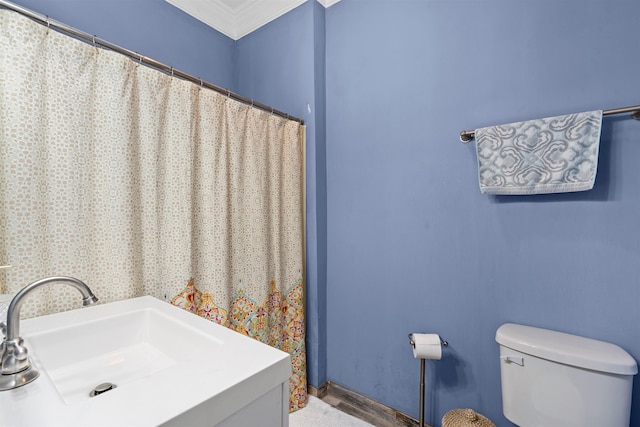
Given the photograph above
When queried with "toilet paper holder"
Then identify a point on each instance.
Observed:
(443, 343)
(413, 344)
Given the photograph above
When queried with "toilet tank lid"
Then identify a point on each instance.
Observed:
(567, 349)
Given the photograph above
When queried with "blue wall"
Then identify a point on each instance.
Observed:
(413, 245)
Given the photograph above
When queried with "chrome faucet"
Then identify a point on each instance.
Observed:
(15, 367)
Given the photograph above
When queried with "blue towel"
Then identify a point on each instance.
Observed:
(552, 155)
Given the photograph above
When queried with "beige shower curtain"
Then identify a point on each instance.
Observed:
(143, 184)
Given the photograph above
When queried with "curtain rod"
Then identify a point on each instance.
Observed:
(92, 39)
(467, 135)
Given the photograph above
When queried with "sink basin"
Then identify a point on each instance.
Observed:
(118, 349)
(169, 367)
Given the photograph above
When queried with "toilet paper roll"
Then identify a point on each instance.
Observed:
(427, 346)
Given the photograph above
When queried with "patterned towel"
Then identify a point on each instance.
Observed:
(552, 155)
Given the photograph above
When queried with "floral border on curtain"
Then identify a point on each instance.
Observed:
(278, 321)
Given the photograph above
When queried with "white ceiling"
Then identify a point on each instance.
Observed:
(237, 18)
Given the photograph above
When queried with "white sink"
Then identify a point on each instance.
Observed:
(118, 349)
(169, 367)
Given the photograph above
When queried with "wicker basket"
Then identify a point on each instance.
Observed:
(465, 418)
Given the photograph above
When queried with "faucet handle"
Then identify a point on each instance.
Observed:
(3, 329)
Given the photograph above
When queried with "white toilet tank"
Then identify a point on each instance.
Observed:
(553, 379)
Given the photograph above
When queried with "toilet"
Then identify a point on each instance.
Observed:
(553, 379)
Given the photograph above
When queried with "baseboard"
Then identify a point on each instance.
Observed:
(361, 406)
(320, 392)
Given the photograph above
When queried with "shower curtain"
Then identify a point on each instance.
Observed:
(143, 184)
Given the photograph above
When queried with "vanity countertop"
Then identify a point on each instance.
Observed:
(180, 368)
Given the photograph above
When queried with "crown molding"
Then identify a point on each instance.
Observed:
(255, 13)
(215, 14)
(237, 18)
(328, 3)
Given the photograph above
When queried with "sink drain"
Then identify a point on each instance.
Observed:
(102, 388)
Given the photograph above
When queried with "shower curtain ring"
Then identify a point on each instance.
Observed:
(48, 23)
